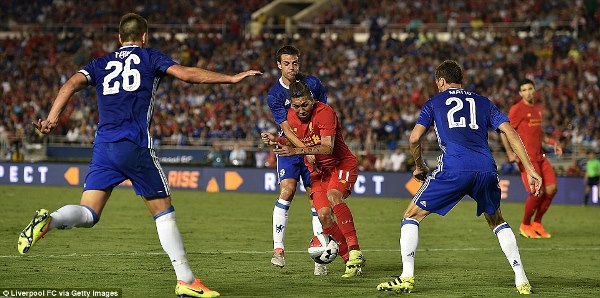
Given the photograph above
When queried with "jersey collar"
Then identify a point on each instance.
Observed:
(129, 46)
(283, 84)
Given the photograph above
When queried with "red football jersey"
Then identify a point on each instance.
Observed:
(323, 122)
(527, 121)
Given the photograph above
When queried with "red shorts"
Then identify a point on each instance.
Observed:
(544, 169)
(342, 178)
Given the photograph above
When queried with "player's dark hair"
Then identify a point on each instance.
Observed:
(525, 82)
(287, 50)
(132, 27)
(300, 89)
(450, 71)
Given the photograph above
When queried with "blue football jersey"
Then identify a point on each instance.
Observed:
(461, 120)
(126, 81)
(278, 98)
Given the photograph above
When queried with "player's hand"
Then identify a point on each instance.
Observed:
(312, 160)
(268, 138)
(420, 172)
(284, 150)
(44, 126)
(240, 76)
(535, 183)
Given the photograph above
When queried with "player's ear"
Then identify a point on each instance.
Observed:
(144, 38)
(120, 41)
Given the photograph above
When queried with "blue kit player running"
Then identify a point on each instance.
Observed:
(126, 81)
(291, 168)
(461, 120)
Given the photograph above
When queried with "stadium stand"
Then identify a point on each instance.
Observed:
(376, 86)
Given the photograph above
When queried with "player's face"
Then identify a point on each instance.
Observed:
(527, 92)
(303, 106)
(289, 66)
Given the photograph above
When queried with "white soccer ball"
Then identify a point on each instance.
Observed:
(323, 248)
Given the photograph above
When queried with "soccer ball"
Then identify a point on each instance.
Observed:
(323, 248)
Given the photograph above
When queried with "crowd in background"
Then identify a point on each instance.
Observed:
(377, 88)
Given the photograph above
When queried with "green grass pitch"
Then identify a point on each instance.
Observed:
(228, 240)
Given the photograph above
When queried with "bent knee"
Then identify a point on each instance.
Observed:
(287, 193)
(324, 215)
(551, 189)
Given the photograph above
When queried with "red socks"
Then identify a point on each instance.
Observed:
(334, 231)
(537, 206)
(343, 230)
(546, 200)
(346, 224)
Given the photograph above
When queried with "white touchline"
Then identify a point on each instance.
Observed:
(242, 252)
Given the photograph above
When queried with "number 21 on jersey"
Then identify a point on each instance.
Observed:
(452, 123)
(130, 77)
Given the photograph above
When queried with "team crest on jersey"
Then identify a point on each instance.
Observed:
(281, 172)
(343, 181)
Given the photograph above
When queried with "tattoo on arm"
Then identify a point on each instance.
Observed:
(416, 152)
(319, 149)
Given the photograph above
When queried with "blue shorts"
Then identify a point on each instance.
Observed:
(112, 163)
(293, 167)
(443, 190)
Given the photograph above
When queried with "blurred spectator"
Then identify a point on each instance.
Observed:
(382, 163)
(376, 88)
(574, 169)
(216, 157)
(397, 160)
(237, 156)
(260, 156)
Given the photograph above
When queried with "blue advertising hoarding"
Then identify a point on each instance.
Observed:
(373, 184)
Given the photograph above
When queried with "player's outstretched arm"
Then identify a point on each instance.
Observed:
(271, 139)
(421, 169)
(512, 157)
(72, 86)
(534, 179)
(289, 133)
(197, 75)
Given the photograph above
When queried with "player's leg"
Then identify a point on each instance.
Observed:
(588, 189)
(97, 190)
(345, 222)
(320, 269)
(532, 203)
(288, 171)
(316, 223)
(172, 243)
(84, 215)
(409, 240)
(486, 192)
(438, 195)
(325, 214)
(142, 167)
(287, 189)
(508, 243)
(550, 189)
(591, 189)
